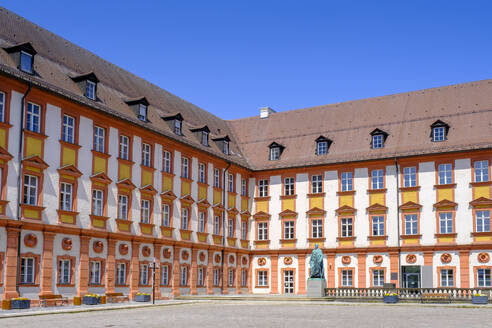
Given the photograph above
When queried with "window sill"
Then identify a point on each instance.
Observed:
(183, 179)
(262, 242)
(482, 233)
(121, 286)
(282, 197)
(444, 235)
(416, 188)
(385, 237)
(98, 153)
(28, 285)
(288, 240)
(346, 238)
(377, 191)
(479, 184)
(34, 134)
(317, 194)
(316, 239)
(344, 193)
(167, 174)
(94, 285)
(202, 184)
(262, 286)
(69, 144)
(445, 186)
(260, 199)
(65, 285)
(417, 236)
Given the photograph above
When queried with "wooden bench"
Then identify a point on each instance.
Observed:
(52, 300)
(116, 298)
(435, 297)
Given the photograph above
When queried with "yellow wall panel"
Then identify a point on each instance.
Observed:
(347, 200)
(262, 246)
(217, 197)
(33, 146)
(66, 218)
(99, 165)
(31, 214)
(98, 223)
(289, 204)
(481, 191)
(185, 188)
(69, 155)
(377, 242)
(409, 196)
(446, 193)
(244, 204)
(166, 233)
(231, 202)
(202, 192)
(147, 178)
(167, 183)
(377, 198)
(262, 206)
(68, 177)
(124, 172)
(290, 244)
(3, 138)
(316, 202)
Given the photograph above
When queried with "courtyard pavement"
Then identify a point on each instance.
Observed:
(248, 313)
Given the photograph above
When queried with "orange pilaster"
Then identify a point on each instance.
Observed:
(194, 273)
(238, 274)
(110, 266)
(225, 271)
(84, 266)
(210, 273)
(176, 272)
(465, 269)
(274, 275)
(330, 264)
(10, 290)
(428, 258)
(394, 268)
(361, 269)
(47, 264)
(250, 275)
(157, 263)
(135, 270)
(301, 259)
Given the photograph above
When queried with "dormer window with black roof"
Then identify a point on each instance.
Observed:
(439, 131)
(202, 134)
(322, 145)
(23, 55)
(378, 138)
(223, 143)
(175, 122)
(87, 83)
(139, 107)
(275, 151)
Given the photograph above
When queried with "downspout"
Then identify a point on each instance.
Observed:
(397, 173)
(224, 174)
(19, 179)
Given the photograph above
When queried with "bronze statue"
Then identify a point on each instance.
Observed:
(316, 263)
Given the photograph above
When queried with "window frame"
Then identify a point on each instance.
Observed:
(90, 90)
(66, 127)
(263, 187)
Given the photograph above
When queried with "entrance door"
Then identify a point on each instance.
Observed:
(412, 280)
(288, 282)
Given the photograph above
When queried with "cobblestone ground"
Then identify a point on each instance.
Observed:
(266, 314)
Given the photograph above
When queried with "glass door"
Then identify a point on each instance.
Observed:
(288, 282)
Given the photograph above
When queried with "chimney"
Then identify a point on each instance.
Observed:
(266, 111)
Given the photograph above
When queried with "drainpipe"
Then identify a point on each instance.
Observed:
(19, 178)
(224, 174)
(397, 174)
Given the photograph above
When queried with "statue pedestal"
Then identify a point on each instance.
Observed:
(316, 287)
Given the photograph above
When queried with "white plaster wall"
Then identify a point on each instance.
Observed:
(427, 198)
(146, 258)
(331, 204)
(302, 205)
(52, 148)
(353, 264)
(59, 251)
(361, 202)
(13, 164)
(103, 254)
(294, 266)
(188, 260)
(419, 255)
(474, 262)
(112, 202)
(455, 261)
(266, 266)
(463, 196)
(370, 264)
(84, 195)
(392, 216)
(118, 255)
(275, 207)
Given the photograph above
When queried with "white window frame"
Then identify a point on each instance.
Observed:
(124, 147)
(165, 275)
(289, 185)
(121, 274)
(97, 202)
(200, 277)
(123, 207)
(178, 126)
(321, 148)
(231, 182)
(445, 222)
(263, 188)
(347, 181)
(68, 129)
(66, 196)
(142, 112)
(262, 278)
(144, 274)
(201, 173)
(166, 165)
(184, 276)
(482, 221)
(262, 231)
(201, 221)
(347, 278)
(411, 224)
(244, 187)
(3, 100)
(377, 224)
(99, 139)
(445, 173)
(146, 155)
(378, 278)
(166, 215)
(23, 56)
(185, 167)
(483, 278)
(377, 141)
(347, 227)
(216, 225)
(447, 277)
(28, 270)
(90, 90)
(377, 179)
(205, 138)
(185, 218)
(317, 184)
(289, 231)
(481, 169)
(244, 278)
(64, 271)
(230, 226)
(438, 133)
(230, 283)
(31, 183)
(226, 147)
(409, 176)
(317, 228)
(216, 178)
(95, 272)
(244, 230)
(33, 117)
(274, 153)
(217, 277)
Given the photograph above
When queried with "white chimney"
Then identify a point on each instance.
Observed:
(266, 111)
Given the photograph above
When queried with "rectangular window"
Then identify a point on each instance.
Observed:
(244, 187)
(231, 182)
(322, 147)
(97, 202)
(64, 269)
(146, 155)
(201, 173)
(262, 278)
(216, 277)
(68, 129)
(226, 147)
(33, 118)
(144, 274)
(262, 231)
(347, 230)
(347, 181)
(99, 139)
(205, 138)
(66, 196)
(244, 230)
(200, 278)
(317, 228)
(231, 278)
(123, 207)
(263, 188)
(121, 274)
(201, 222)
(90, 90)
(230, 227)
(483, 221)
(95, 272)
(447, 278)
(483, 278)
(445, 172)
(439, 133)
(216, 178)
(378, 278)
(124, 147)
(177, 127)
(347, 278)
(377, 141)
(377, 179)
(409, 176)
(30, 190)
(185, 172)
(446, 222)
(481, 169)
(145, 211)
(184, 276)
(2, 107)
(288, 186)
(378, 225)
(411, 223)
(142, 112)
(27, 270)
(165, 275)
(166, 166)
(216, 225)
(274, 153)
(317, 184)
(244, 278)
(185, 218)
(165, 215)
(26, 62)
(289, 230)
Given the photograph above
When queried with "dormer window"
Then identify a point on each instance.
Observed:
(378, 137)
(205, 138)
(23, 55)
(226, 147)
(90, 90)
(140, 107)
(439, 131)
(178, 124)
(142, 112)
(26, 62)
(87, 83)
(201, 134)
(275, 151)
(175, 122)
(223, 143)
(322, 145)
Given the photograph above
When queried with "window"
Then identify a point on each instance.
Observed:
(447, 278)
(445, 172)
(377, 141)
(231, 278)
(321, 147)
(33, 118)
(411, 224)
(68, 129)
(66, 196)
(165, 215)
(244, 278)
(26, 62)
(262, 231)
(244, 187)
(27, 270)
(317, 228)
(144, 274)
(483, 278)
(446, 222)
(123, 207)
(231, 182)
(30, 190)
(378, 225)
(347, 278)
(230, 227)
(216, 225)
(200, 278)
(201, 222)
(483, 221)
(184, 276)
(167, 161)
(216, 178)
(185, 168)
(121, 274)
(184, 218)
(263, 188)
(244, 230)
(481, 169)
(377, 179)
(99, 139)
(317, 184)
(347, 227)
(216, 277)
(2, 107)
(146, 155)
(64, 269)
(95, 272)
(289, 186)
(262, 278)
(347, 181)
(289, 230)
(165, 275)
(124, 147)
(439, 133)
(226, 147)
(142, 112)
(97, 202)
(274, 153)
(90, 90)
(201, 173)
(409, 176)
(145, 211)
(177, 126)
(378, 278)
(205, 138)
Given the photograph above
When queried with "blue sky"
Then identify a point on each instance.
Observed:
(232, 57)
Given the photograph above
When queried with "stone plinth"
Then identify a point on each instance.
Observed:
(316, 287)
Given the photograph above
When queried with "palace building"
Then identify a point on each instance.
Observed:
(105, 176)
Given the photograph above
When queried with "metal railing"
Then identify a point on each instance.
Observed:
(458, 294)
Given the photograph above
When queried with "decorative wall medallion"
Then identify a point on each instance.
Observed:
(411, 258)
(166, 253)
(261, 261)
(446, 258)
(66, 244)
(483, 257)
(146, 251)
(30, 240)
(231, 259)
(202, 256)
(377, 259)
(185, 255)
(123, 249)
(287, 260)
(245, 260)
(98, 246)
(346, 259)
(217, 258)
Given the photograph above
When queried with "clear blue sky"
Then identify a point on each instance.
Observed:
(232, 57)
